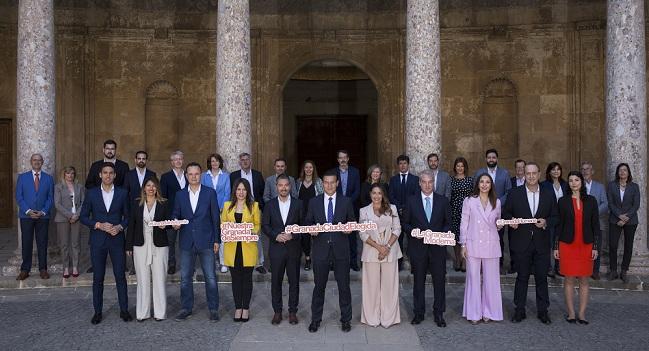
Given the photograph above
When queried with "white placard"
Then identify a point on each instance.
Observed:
(434, 238)
(517, 221)
(168, 223)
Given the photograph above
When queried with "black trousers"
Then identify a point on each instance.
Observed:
(434, 261)
(287, 261)
(532, 261)
(29, 228)
(353, 248)
(320, 276)
(305, 241)
(241, 286)
(614, 233)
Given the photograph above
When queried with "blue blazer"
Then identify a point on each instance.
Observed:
(353, 184)
(399, 194)
(414, 216)
(502, 182)
(316, 214)
(27, 197)
(204, 228)
(93, 210)
(222, 188)
(132, 184)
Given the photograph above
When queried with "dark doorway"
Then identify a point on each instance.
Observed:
(319, 137)
(6, 181)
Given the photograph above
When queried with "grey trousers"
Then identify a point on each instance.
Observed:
(69, 239)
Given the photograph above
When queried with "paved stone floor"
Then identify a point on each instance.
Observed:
(59, 319)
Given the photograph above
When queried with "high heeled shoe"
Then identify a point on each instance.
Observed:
(571, 320)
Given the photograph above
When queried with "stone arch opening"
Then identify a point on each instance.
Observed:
(500, 120)
(161, 122)
(327, 105)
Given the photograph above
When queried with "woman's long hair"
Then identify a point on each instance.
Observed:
(233, 194)
(617, 172)
(492, 192)
(158, 195)
(583, 192)
(315, 171)
(385, 204)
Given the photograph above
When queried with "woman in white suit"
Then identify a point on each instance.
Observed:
(380, 259)
(481, 249)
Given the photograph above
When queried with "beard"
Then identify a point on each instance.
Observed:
(492, 164)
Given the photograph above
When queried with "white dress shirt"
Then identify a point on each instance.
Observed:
(181, 178)
(558, 193)
(284, 206)
(405, 181)
(533, 199)
(140, 175)
(622, 193)
(248, 177)
(493, 173)
(326, 203)
(108, 196)
(520, 181)
(588, 186)
(215, 177)
(193, 197)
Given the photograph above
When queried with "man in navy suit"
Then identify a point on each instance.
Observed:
(349, 185)
(133, 182)
(35, 196)
(285, 249)
(200, 238)
(424, 211)
(170, 183)
(257, 184)
(330, 249)
(502, 185)
(105, 211)
(401, 187)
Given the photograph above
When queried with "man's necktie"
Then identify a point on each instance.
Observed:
(403, 179)
(428, 209)
(37, 181)
(330, 211)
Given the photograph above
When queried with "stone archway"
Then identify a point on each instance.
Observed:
(161, 122)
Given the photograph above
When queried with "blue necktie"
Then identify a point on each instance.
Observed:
(330, 211)
(428, 209)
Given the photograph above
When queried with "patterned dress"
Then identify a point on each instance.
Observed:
(460, 189)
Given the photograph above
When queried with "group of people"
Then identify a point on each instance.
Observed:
(117, 204)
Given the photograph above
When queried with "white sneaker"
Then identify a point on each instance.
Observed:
(224, 269)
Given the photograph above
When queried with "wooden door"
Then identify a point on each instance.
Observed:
(6, 179)
(319, 137)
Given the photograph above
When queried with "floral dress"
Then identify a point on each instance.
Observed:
(460, 189)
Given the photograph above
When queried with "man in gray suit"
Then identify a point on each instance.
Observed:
(596, 189)
(270, 190)
(441, 179)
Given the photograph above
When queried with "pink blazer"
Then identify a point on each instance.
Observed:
(478, 229)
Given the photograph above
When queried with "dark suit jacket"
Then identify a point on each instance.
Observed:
(93, 179)
(93, 210)
(317, 214)
(517, 206)
(258, 185)
(272, 225)
(353, 184)
(169, 187)
(629, 205)
(135, 233)
(204, 228)
(399, 194)
(590, 221)
(132, 184)
(513, 180)
(414, 216)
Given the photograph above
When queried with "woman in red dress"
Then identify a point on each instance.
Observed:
(575, 244)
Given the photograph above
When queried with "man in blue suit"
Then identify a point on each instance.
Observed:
(330, 249)
(105, 211)
(502, 185)
(427, 210)
(401, 187)
(349, 185)
(34, 195)
(170, 183)
(201, 237)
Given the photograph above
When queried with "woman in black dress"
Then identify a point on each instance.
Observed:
(461, 187)
(309, 185)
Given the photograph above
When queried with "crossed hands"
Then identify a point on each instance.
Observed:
(283, 237)
(623, 220)
(384, 251)
(109, 228)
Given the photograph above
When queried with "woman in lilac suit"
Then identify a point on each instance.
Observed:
(481, 248)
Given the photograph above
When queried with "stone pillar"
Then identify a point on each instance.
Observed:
(626, 112)
(35, 101)
(233, 91)
(423, 112)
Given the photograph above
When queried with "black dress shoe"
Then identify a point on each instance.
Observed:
(544, 318)
(551, 274)
(96, 319)
(612, 275)
(313, 327)
(346, 327)
(355, 268)
(261, 270)
(439, 320)
(417, 320)
(125, 316)
(307, 265)
(171, 270)
(277, 318)
(90, 270)
(624, 277)
(518, 316)
(596, 276)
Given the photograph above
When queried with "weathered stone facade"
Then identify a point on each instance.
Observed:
(526, 76)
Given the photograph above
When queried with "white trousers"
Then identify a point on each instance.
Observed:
(380, 288)
(156, 272)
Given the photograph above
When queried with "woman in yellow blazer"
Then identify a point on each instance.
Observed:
(241, 257)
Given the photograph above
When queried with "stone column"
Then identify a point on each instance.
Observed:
(233, 92)
(626, 112)
(35, 101)
(423, 112)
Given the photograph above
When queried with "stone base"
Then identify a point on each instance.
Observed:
(639, 264)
